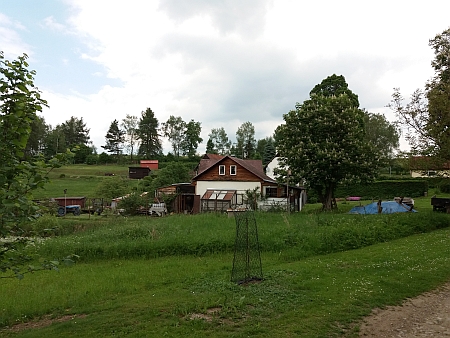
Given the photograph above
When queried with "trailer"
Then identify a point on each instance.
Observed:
(441, 204)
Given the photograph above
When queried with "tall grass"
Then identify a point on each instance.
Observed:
(191, 296)
(293, 237)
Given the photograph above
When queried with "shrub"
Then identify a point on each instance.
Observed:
(91, 159)
(112, 187)
(445, 187)
(133, 204)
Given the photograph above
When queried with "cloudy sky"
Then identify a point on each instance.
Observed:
(218, 62)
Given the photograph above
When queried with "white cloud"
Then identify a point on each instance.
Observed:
(225, 63)
(51, 23)
(10, 41)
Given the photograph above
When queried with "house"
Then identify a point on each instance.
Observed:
(151, 164)
(222, 183)
(138, 172)
(426, 166)
(272, 166)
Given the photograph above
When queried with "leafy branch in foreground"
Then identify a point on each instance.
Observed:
(20, 101)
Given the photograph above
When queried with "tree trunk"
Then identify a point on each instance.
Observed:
(328, 200)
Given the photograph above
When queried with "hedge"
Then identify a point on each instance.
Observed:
(379, 190)
(384, 189)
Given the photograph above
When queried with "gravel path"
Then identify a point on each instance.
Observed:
(425, 316)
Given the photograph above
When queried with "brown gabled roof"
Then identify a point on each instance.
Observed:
(254, 166)
(207, 161)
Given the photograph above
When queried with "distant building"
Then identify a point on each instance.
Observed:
(138, 172)
(151, 164)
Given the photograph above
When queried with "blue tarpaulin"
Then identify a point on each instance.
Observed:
(389, 207)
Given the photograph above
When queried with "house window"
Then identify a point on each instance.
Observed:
(221, 170)
(271, 192)
(232, 170)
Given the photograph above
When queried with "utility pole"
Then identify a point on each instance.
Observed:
(287, 193)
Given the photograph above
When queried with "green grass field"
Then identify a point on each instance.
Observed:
(150, 277)
(79, 180)
(170, 276)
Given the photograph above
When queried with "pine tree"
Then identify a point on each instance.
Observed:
(148, 134)
(115, 138)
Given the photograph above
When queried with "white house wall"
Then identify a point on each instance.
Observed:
(274, 164)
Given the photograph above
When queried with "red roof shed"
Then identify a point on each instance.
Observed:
(151, 164)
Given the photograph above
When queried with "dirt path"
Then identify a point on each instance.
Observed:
(425, 316)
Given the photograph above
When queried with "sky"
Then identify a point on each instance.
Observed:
(221, 63)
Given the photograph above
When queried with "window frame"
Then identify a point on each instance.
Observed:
(271, 192)
(221, 170)
(235, 170)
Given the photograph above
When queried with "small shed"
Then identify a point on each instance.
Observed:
(151, 164)
(138, 172)
(63, 201)
(185, 200)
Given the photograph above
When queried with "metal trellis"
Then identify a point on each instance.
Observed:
(247, 256)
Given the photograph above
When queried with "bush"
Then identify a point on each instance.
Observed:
(91, 159)
(445, 187)
(44, 226)
(133, 204)
(112, 187)
(384, 189)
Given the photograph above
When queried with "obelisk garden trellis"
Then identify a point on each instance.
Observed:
(247, 256)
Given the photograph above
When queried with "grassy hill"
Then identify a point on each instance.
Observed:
(79, 180)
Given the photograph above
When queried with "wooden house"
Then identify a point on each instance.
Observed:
(138, 172)
(221, 182)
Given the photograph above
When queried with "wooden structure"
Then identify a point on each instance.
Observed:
(64, 201)
(227, 173)
(151, 164)
(182, 196)
(441, 204)
(218, 200)
(138, 172)
(427, 166)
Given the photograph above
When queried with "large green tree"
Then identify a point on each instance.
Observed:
(148, 135)
(426, 116)
(54, 141)
(269, 151)
(383, 134)
(174, 129)
(20, 100)
(246, 142)
(75, 132)
(218, 142)
(438, 94)
(115, 138)
(191, 138)
(130, 126)
(322, 142)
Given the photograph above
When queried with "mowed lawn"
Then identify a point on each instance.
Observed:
(79, 180)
